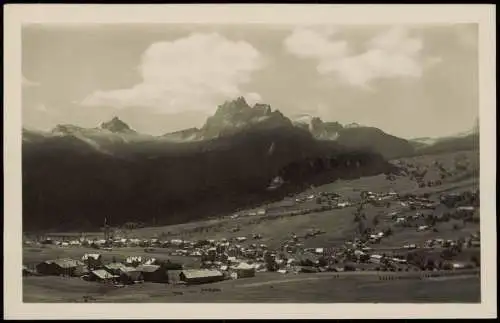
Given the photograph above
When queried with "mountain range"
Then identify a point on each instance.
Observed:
(74, 177)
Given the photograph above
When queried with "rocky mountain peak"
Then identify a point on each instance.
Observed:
(116, 125)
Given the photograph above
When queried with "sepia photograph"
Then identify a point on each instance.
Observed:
(228, 162)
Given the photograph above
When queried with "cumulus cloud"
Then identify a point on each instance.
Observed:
(192, 73)
(314, 42)
(392, 53)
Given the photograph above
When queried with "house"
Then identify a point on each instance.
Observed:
(194, 276)
(151, 261)
(461, 265)
(173, 277)
(376, 259)
(130, 275)
(133, 261)
(28, 272)
(168, 265)
(319, 251)
(114, 268)
(101, 275)
(92, 260)
(153, 273)
(75, 243)
(61, 267)
(244, 270)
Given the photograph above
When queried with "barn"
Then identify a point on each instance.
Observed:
(243, 270)
(130, 275)
(153, 273)
(61, 267)
(194, 276)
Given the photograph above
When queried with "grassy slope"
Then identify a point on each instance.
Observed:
(264, 288)
(338, 225)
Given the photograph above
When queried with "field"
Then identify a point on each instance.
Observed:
(338, 226)
(266, 288)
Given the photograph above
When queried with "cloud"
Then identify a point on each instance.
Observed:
(193, 73)
(313, 42)
(28, 83)
(392, 53)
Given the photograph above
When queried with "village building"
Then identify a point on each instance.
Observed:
(114, 268)
(376, 259)
(61, 267)
(102, 276)
(133, 261)
(153, 273)
(92, 260)
(194, 276)
(243, 270)
(130, 275)
(28, 272)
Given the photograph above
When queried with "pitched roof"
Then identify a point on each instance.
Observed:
(193, 273)
(115, 265)
(103, 274)
(148, 268)
(94, 256)
(243, 266)
(126, 269)
(65, 262)
(134, 259)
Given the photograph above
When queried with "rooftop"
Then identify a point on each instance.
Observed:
(103, 274)
(194, 273)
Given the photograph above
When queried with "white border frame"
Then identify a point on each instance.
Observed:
(17, 14)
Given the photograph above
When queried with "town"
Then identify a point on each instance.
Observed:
(119, 259)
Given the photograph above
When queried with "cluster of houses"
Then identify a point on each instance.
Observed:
(324, 201)
(137, 269)
(241, 257)
(473, 241)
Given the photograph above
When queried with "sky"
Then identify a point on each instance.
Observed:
(410, 81)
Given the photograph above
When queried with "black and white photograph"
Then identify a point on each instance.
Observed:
(289, 162)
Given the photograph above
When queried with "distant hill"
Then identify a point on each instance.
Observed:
(468, 140)
(356, 136)
(75, 177)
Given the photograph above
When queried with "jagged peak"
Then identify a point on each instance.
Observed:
(116, 125)
(238, 104)
(265, 108)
